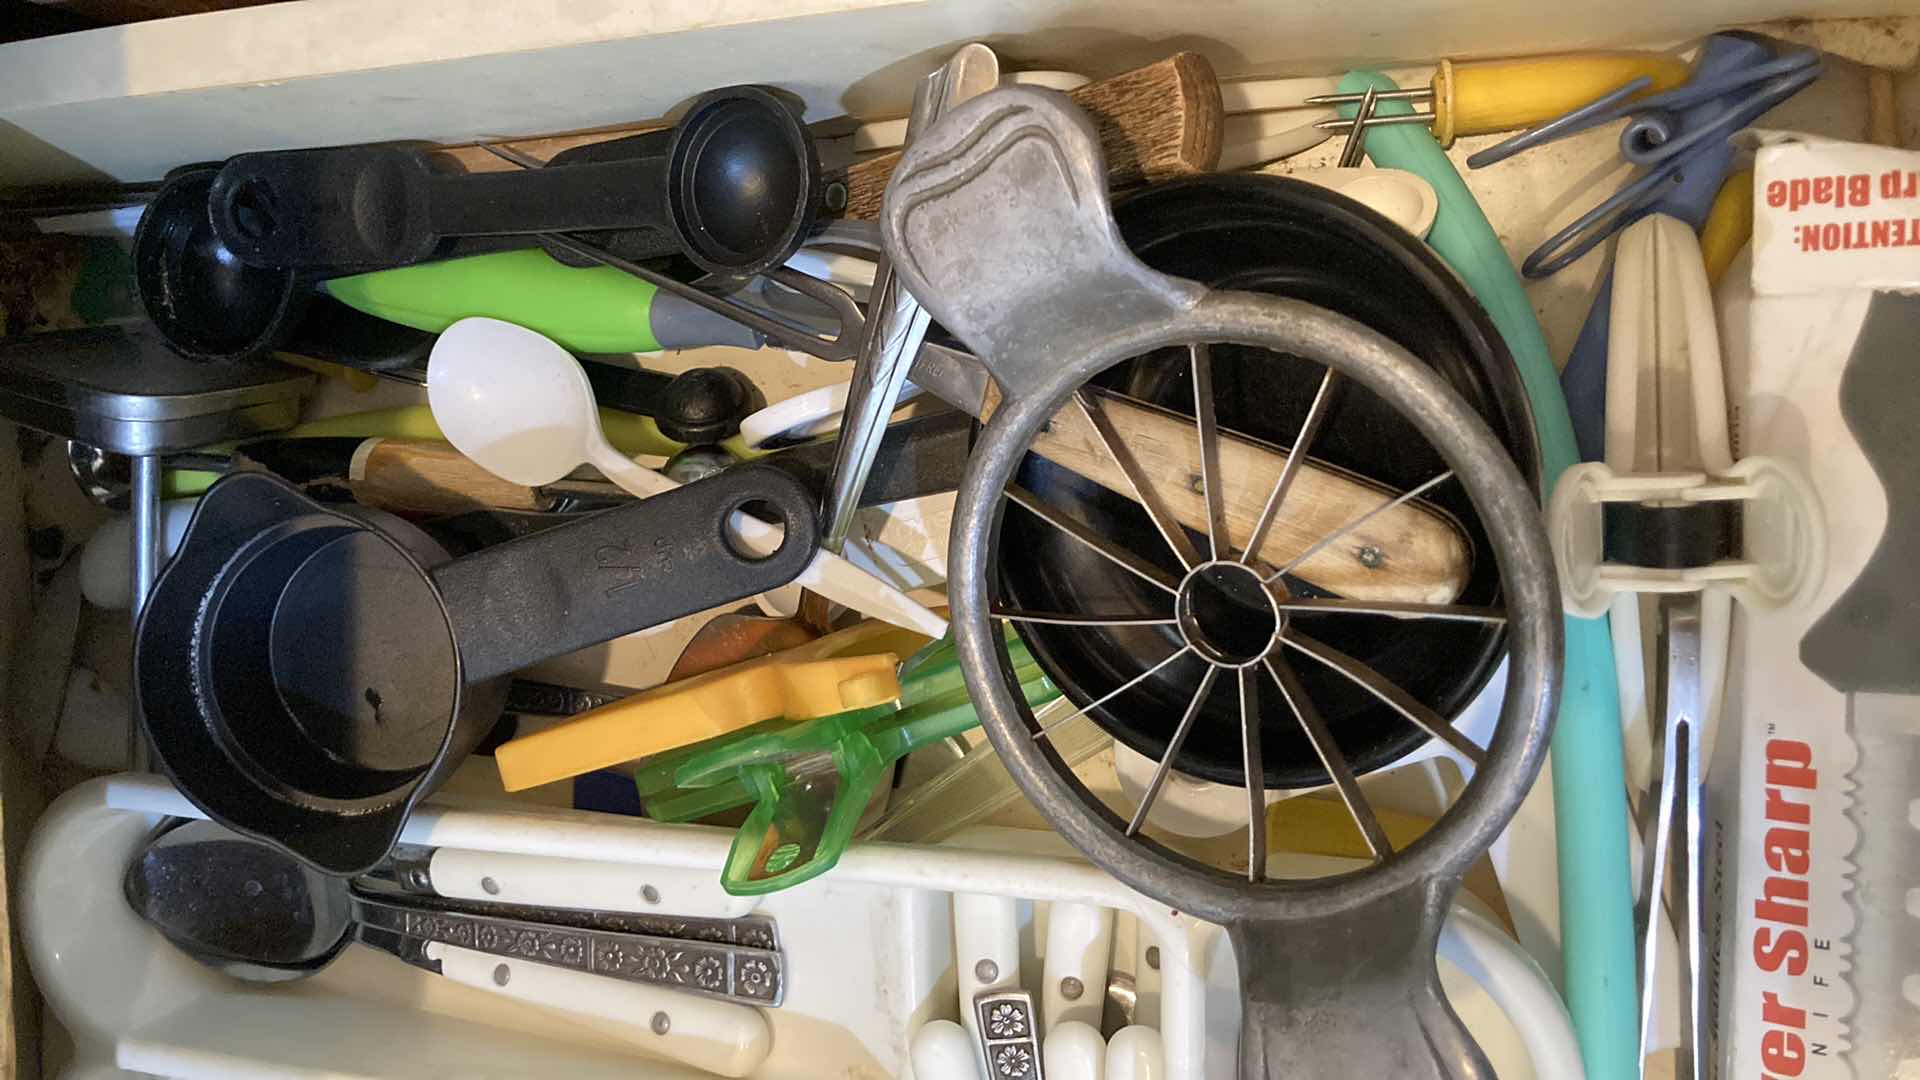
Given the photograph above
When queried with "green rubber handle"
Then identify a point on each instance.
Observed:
(592, 309)
(1589, 778)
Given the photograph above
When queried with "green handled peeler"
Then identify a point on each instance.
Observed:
(592, 309)
(810, 782)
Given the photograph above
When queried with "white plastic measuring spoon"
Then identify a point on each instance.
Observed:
(520, 406)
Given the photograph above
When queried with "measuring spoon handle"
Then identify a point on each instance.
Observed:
(350, 208)
(621, 570)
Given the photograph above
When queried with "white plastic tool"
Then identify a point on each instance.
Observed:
(802, 416)
(520, 406)
(713, 1036)
(1135, 1053)
(942, 1050)
(1669, 467)
(537, 881)
(1073, 1051)
(1073, 987)
(1259, 138)
(1667, 439)
(1402, 197)
(851, 272)
(1783, 534)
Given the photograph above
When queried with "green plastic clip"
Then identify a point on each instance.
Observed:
(810, 782)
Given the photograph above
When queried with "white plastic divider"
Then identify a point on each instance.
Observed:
(883, 915)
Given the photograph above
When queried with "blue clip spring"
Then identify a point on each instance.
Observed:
(1654, 139)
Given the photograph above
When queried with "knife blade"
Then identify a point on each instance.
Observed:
(1864, 646)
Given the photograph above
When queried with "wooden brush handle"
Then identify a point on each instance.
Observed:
(1158, 121)
(1411, 553)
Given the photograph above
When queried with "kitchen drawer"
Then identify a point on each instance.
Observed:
(125, 104)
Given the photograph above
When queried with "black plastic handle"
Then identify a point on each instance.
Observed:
(629, 194)
(735, 186)
(360, 207)
(621, 570)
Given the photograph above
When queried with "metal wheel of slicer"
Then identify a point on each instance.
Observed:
(997, 220)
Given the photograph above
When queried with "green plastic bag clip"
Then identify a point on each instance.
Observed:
(809, 783)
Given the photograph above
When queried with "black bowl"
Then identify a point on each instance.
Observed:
(1275, 235)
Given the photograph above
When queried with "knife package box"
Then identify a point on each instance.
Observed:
(1813, 846)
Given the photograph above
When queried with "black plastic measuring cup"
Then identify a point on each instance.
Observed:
(735, 186)
(306, 676)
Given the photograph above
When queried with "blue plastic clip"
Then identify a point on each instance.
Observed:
(1657, 138)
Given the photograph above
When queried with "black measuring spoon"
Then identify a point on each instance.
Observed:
(208, 305)
(734, 186)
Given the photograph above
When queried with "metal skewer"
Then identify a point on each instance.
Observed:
(1356, 147)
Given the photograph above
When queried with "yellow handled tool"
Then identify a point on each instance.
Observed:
(851, 669)
(1484, 96)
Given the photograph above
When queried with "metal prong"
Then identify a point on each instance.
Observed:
(1212, 484)
(1356, 147)
(1143, 493)
(1120, 557)
(1392, 696)
(1256, 774)
(1309, 427)
(1673, 851)
(1383, 95)
(1330, 756)
(1111, 694)
(1173, 751)
(1338, 124)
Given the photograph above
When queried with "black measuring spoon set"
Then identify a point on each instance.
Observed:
(227, 254)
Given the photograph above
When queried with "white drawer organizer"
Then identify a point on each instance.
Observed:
(869, 956)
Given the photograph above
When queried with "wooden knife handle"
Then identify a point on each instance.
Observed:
(1158, 121)
(416, 476)
(402, 476)
(1412, 553)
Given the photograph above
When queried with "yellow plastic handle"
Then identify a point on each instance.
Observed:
(1486, 96)
(836, 673)
(1729, 224)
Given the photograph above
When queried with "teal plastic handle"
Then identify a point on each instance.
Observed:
(1589, 778)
